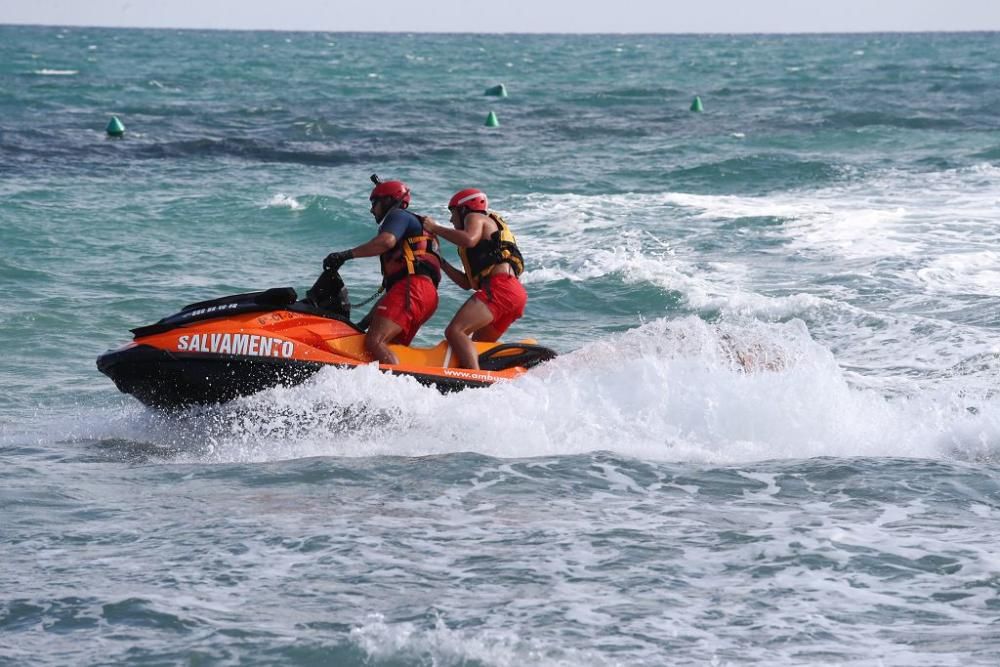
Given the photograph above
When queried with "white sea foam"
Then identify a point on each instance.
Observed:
(887, 215)
(282, 200)
(56, 72)
(639, 255)
(407, 642)
(667, 391)
(968, 273)
(919, 237)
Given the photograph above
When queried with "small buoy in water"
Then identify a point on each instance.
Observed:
(491, 120)
(115, 127)
(696, 104)
(497, 91)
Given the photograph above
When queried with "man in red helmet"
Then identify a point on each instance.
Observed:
(411, 271)
(491, 263)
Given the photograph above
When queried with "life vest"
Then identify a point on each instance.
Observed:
(412, 255)
(500, 247)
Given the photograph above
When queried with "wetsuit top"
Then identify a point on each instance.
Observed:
(410, 255)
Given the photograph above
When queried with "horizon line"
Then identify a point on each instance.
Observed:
(897, 31)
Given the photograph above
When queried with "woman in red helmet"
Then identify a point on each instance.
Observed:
(411, 271)
(491, 263)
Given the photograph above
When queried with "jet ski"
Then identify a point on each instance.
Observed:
(218, 350)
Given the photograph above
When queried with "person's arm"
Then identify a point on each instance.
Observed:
(378, 245)
(381, 243)
(463, 238)
(457, 276)
(392, 229)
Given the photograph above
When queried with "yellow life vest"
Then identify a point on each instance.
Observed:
(500, 247)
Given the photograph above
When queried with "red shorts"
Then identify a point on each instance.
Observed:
(504, 295)
(423, 303)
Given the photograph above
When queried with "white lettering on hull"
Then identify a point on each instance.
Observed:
(468, 375)
(248, 345)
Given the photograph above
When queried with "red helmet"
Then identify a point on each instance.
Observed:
(470, 198)
(397, 190)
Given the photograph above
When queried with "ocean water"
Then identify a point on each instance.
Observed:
(832, 216)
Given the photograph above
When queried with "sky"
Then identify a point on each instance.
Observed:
(532, 16)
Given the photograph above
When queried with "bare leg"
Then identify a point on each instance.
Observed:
(381, 332)
(471, 317)
(487, 334)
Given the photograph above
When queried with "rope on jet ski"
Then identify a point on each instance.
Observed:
(370, 299)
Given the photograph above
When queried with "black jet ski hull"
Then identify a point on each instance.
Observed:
(164, 379)
(168, 379)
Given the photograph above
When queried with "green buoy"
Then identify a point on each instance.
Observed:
(696, 104)
(497, 91)
(491, 120)
(115, 127)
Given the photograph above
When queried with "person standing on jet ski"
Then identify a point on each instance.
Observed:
(411, 270)
(492, 262)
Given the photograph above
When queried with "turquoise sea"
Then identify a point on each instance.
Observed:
(834, 213)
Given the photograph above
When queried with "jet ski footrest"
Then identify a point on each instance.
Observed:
(509, 355)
